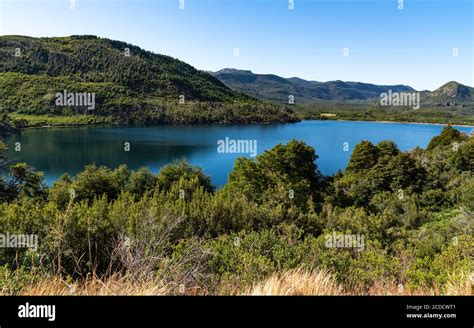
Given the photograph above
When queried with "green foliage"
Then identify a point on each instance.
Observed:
(100, 60)
(371, 111)
(9, 125)
(34, 120)
(96, 181)
(463, 157)
(402, 172)
(12, 281)
(454, 263)
(364, 157)
(248, 257)
(373, 169)
(387, 148)
(447, 137)
(173, 173)
(468, 196)
(290, 168)
(61, 192)
(23, 182)
(141, 182)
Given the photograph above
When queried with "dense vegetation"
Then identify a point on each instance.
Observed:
(9, 125)
(131, 85)
(371, 112)
(414, 209)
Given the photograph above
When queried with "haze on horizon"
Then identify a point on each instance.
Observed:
(414, 46)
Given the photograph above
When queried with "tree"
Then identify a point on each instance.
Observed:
(295, 160)
(172, 173)
(468, 197)
(463, 157)
(401, 172)
(364, 157)
(96, 181)
(24, 181)
(141, 182)
(447, 137)
(247, 178)
(387, 148)
(292, 166)
(61, 191)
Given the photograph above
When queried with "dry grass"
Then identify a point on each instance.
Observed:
(462, 286)
(297, 282)
(289, 283)
(93, 287)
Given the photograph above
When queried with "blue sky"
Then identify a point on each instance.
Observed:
(386, 45)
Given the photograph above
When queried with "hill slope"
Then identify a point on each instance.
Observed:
(277, 89)
(141, 86)
(452, 93)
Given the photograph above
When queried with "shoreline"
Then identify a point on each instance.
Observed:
(401, 122)
(224, 124)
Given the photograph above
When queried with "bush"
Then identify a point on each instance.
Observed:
(173, 173)
(13, 281)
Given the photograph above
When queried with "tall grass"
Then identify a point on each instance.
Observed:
(288, 283)
(115, 285)
(297, 282)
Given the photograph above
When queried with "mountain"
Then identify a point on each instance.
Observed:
(126, 82)
(450, 93)
(274, 88)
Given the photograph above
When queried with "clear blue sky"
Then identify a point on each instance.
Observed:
(386, 45)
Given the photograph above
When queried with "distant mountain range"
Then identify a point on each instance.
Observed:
(277, 89)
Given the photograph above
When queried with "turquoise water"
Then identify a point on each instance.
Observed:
(55, 151)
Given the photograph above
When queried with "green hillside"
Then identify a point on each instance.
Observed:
(450, 93)
(129, 84)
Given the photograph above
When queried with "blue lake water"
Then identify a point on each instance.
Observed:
(56, 151)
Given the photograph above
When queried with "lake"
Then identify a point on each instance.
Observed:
(55, 151)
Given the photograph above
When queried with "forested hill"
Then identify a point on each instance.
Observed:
(128, 82)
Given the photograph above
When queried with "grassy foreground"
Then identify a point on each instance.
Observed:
(288, 283)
